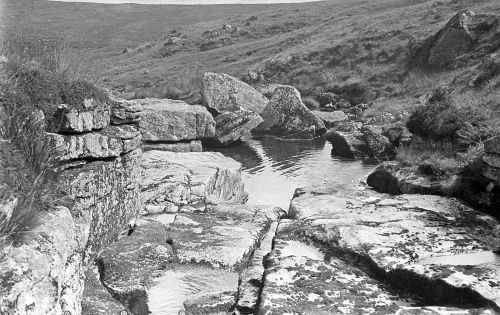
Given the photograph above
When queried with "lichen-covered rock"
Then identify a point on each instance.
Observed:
(125, 111)
(417, 244)
(43, 273)
(378, 144)
(96, 299)
(287, 117)
(331, 119)
(223, 93)
(129, 265)
(174, 181)
(347, 144)
(232, 126)
(393, 179)
(112, 141)
(92, 115)
(188, 146)
(164, 120)
(453, 40)
(397, 133)
(300, 278)
(107, 198)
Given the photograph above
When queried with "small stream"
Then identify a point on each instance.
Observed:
(273, 168)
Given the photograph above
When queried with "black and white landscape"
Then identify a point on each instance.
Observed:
(249, 157)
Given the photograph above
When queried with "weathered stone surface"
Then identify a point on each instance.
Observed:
(399, 240)
(397, 134)
(223, 93)
(453, 40)
(347, 144)
(331, 119)
(96, 299)
(232, 126)
(223, 238)
(107, 198)
(112, 141)
(299, 278)
(49, 255)
(189, 181)
(125, 111)
(378, 144)
(287, 117)
(169, 120)
(393, 179)
(93, 115)
(129, 265)
(191, 146)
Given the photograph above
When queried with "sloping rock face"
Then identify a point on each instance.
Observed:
(223, 93)
(393, 179)
(165, 120)
(361, 252)
(287, 117)
(453, 40)
(174, 182)
(492, 159)
(188, 262)
(230, 127)
(42, 274)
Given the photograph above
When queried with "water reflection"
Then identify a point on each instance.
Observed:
(273, 169)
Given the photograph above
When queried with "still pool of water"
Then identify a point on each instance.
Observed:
(273, 169)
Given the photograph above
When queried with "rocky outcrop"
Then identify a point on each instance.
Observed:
(165, 120)
(360, 252)
(230, 127)
(125, 111)
(287, 117)
(185, 262)
(453, 40)
(347, 144)
(42, 274)
(91, 115)
(173, 182)
(378, 145)
(185, 146)
(223, 93)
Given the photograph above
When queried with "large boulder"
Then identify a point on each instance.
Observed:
(164, 120)
(189, 181)
(378, 144)
(232, 126)
(453, 40)
(287, 117)
(347, 144)
(223, 93)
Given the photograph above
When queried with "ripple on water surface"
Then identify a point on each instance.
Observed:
(273, 169)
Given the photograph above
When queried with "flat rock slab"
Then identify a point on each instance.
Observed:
(189, 181)
(225, 237)
(187, 146)
(170, 120)
(300, 279)
(331, 119)
(398, 238)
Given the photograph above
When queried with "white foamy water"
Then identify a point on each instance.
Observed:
(463, 259)
(175, 287)
(190, 2)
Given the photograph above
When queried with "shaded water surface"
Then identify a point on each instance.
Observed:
(273, 169)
